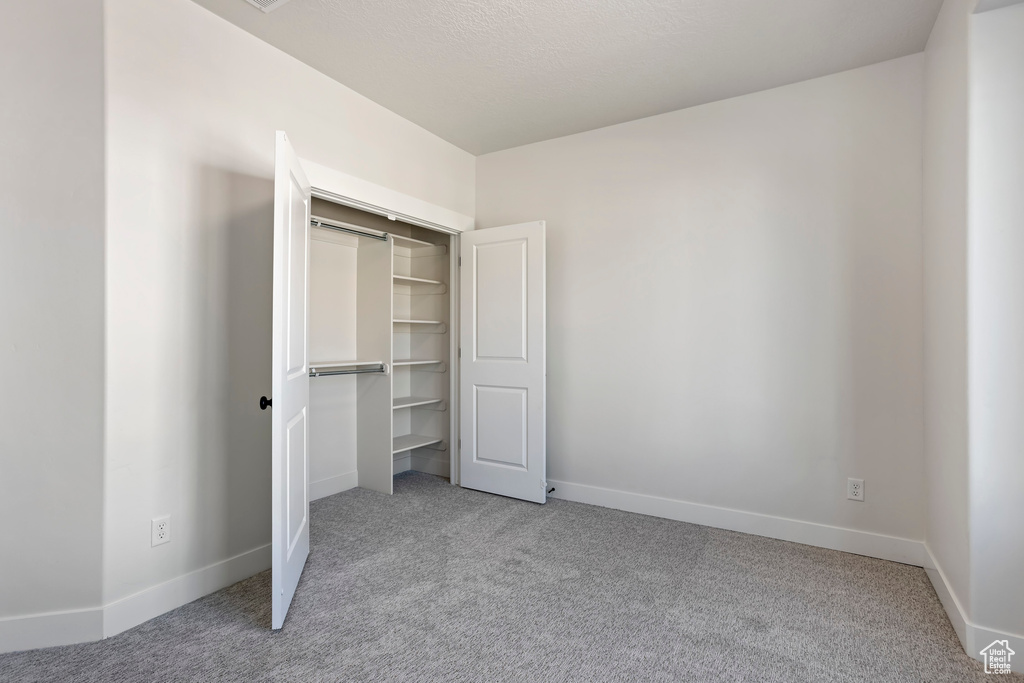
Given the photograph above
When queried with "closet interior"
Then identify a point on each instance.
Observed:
(380, 349)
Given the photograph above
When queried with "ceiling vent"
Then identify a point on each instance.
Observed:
(266, 5)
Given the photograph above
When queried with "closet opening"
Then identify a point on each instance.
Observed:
(381, 349)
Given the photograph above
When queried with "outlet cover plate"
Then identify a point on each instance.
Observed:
(855, 489)
(161, 530)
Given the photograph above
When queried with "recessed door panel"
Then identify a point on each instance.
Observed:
(501, 429)
(298, 257)
(297, 485)
(501, 305)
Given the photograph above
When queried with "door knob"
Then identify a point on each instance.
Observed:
(264, 402)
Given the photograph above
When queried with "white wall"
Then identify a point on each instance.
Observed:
(974, 389)
(945, 296)
(51, 309)
(735, 299)
(996, 321)
(193, 103)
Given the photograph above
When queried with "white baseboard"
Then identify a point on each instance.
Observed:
(50, 629)
(332, 485)
(950, 603)
(972, 636)
(133, 610)
(884, 547)
(34, 631)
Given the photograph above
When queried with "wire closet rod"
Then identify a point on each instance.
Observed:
(382, 368)
(318, 223)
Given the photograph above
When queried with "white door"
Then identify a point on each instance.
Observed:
(503, 383)
(290, 460)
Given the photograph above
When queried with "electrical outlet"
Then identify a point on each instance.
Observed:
(855, 489)
(161, 530)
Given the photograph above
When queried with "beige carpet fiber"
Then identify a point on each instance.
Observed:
(438, 583)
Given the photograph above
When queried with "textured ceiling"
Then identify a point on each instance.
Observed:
(492, 74)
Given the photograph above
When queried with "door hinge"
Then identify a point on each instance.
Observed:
(460, 352)
(460, 444)
(460, 262)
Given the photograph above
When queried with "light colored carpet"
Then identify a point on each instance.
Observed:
(438, 583)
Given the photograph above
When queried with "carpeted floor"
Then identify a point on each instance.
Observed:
(438, 583)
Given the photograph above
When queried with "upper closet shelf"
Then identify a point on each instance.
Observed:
(407, 246)
(339, 226)
(410, 243)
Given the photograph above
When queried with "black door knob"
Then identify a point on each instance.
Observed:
(264, 402)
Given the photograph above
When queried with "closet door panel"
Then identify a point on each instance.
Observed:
(502, 375)
(290, 379)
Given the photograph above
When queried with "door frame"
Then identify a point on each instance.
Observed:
(341, 188)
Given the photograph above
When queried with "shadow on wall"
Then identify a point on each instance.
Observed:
(232, 255)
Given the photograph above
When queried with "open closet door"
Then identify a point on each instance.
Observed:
(503, 346)
(290, 459)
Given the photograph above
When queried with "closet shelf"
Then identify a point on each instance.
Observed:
(426, 326)
(409, 247)
(325, 364)
(416, 286)
(411, 243)
(404, 280)
(411, 441)
(435, 366)
(413, 401)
